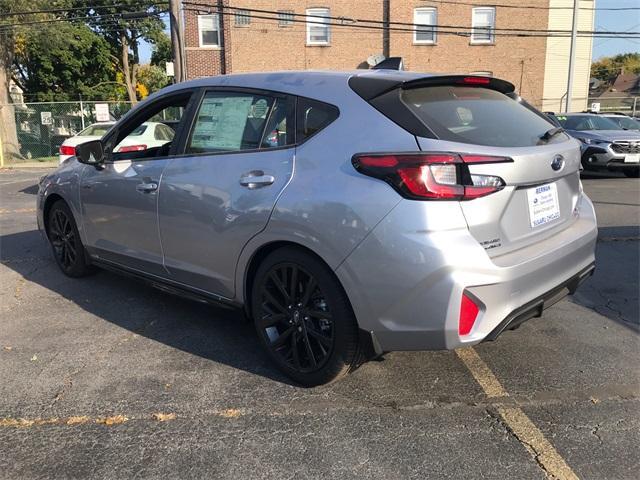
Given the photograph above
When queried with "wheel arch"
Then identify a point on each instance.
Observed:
(369, 344)
(258, 257)
(48, 203)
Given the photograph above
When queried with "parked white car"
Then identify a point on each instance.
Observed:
(147, 135)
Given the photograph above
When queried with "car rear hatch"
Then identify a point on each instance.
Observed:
(482, 120)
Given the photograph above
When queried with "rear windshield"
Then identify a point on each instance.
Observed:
(477, 115)
(587, 122)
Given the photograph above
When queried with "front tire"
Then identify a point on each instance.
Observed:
(64, 238)
(303, 318)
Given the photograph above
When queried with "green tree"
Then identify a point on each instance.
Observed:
(609, 68)
(61, 61)
(161, 53)
(152, 77)
(124, 26)
(9, 33)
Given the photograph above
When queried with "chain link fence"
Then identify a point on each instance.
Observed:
(627, 105)
(35, 131)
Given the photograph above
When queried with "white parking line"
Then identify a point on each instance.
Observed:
(516, 420)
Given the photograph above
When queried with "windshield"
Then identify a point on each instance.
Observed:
(587, 122)
(626, 122)
(138, 131)
(96, 130)
(477, 115)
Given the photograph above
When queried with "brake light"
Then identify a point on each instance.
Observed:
(132, 148)
(468, 314)
(431, 176)
(67, 150)
(476, 80)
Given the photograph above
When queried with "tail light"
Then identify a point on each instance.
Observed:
(67, 150)
(431, 176)
(468, 314)
(132, 148)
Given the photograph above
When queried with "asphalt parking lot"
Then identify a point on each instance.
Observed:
(107, 378)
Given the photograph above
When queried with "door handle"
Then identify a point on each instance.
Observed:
(147, 187)
(256, 179)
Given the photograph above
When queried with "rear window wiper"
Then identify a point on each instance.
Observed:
(549, 134)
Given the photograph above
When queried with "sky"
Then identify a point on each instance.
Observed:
(618, 21)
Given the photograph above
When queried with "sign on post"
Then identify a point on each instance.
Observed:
(46, 118)
(102, 112)
(169, 69)
(595, 107)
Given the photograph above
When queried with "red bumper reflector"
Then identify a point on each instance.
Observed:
(468, 314)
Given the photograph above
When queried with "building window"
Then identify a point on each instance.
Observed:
(209, 30)
(425, 21)
(318, 28)
(285, 18)
(242, 18)
(483, 24)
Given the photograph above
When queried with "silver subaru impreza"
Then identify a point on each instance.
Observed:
(348, 214)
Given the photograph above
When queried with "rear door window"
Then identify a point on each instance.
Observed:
(475, 115)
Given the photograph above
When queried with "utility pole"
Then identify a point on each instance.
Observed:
(386, 14)
(572, 54)
(176, 40)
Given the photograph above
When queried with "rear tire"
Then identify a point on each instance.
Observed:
(64, 238)
(635, 173)
(303, 318)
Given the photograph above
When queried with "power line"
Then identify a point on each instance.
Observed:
(531, 7)
(72, 9)
(444, 29)
(113, 17)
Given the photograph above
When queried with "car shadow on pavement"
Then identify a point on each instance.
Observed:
(218, 334)
(30, 190)
(613, 290)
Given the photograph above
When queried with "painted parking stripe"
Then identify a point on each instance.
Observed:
(5, 211)
(516, 420)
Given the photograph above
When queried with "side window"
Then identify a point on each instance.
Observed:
(145, 136)
(279, 129)
(230, 121)
(313, 116)
(159, 134)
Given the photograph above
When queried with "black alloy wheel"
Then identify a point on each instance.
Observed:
(303, 318)
(68, 250)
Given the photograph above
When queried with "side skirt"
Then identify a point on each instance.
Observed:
(169, 286)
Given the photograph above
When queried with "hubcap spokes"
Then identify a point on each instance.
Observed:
(296, 319)
(63, 239)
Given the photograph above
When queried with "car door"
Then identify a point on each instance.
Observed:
(119, 200)
(220, 193)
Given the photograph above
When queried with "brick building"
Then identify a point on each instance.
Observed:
(454, 36)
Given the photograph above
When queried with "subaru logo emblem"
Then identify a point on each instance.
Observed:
(557, 163)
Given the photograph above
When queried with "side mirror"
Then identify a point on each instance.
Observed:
(90, 153)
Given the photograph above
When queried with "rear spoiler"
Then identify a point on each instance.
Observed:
(383, 93)
(370, 87)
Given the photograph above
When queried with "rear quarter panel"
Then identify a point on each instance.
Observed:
(327, 206)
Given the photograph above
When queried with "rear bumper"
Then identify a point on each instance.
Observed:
(405, 286)
(535, 307)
